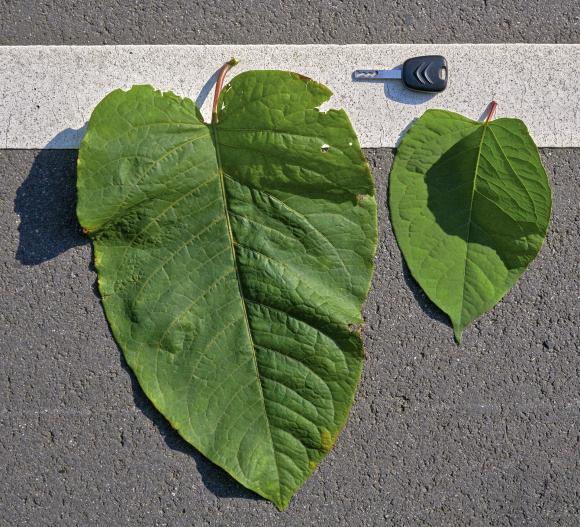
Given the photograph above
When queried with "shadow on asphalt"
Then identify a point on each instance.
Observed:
(428, 307)
(46, 203)
(215, 479)
(46, 200)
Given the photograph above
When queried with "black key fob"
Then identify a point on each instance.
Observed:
(428, 73)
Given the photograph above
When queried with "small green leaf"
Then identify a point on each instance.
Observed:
(470, 205)
(232, 260)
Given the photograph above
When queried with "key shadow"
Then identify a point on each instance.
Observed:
(396, 91)
(46, 202)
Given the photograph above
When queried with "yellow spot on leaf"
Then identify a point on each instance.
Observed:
(326, 439)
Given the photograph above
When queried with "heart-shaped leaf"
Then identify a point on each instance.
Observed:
(470, 205)
(233, 259)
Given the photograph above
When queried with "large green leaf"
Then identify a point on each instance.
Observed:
(470, 205)
(232, 260)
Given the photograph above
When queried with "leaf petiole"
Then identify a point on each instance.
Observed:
(218, 87)
(491, 111)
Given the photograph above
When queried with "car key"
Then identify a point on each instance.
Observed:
(427, 74)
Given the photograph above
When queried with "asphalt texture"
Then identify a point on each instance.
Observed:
(482, 434)
(286, 21)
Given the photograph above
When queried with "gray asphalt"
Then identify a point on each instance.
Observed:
(286, 21)
(482, 434)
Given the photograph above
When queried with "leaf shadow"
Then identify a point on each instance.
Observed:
(489, 222)
(404, 131)
(46, 205)
(215, 479)
(206, 89)
(428, 307)
(46, 202)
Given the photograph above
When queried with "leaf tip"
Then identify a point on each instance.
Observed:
(282, 501)
(457, 333)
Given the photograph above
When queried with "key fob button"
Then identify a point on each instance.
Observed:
(428, 74)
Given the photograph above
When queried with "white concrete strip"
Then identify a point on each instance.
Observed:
(47, 93)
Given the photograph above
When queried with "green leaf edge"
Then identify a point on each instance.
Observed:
(458, 329)
(281, 504)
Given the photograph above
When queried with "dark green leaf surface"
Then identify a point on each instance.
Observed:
(470, 205)
(233, 260)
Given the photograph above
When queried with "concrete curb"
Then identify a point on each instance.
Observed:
(50, 91)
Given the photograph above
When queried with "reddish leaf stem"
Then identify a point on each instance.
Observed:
(491, 111)
(219, 84)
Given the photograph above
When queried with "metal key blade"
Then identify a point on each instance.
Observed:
(376, 75)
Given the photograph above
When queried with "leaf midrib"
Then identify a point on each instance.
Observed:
(232, 243)
(476, 171)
